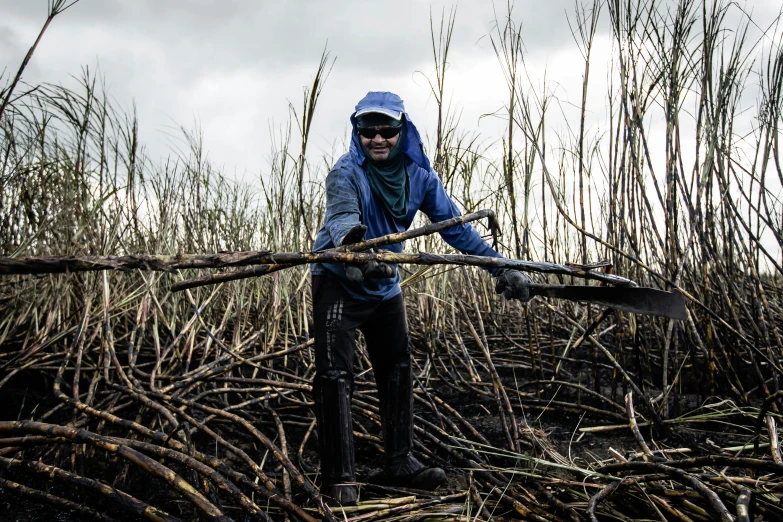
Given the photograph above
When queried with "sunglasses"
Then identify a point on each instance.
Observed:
(385, 132)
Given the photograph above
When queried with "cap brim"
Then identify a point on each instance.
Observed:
(397, 115)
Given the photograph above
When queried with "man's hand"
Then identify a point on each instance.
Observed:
(373, 270)
(513, 284)
(355, 235)
(360, 271)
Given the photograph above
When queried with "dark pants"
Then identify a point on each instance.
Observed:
(337, 316)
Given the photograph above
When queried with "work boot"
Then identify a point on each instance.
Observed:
(332, 390)
(409, 472)
(395, 392)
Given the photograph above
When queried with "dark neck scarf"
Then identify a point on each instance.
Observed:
(389, 179)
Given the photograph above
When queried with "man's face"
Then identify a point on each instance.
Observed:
(379, 147)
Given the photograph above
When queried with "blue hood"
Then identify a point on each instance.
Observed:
(413, 146)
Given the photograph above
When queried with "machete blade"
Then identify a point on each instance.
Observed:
(634, 299)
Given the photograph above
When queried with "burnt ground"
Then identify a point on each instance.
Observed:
(27, 397)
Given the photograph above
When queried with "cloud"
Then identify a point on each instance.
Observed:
(232, 66)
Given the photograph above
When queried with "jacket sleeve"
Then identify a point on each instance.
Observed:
(342, 205)
(438, 206)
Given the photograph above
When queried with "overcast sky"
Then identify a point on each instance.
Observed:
(232, 66)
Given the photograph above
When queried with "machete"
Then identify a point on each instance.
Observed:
(637, 300)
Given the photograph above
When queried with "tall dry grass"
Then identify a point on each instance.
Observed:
(702, 215)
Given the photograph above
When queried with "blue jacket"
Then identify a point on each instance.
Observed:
(350, 201)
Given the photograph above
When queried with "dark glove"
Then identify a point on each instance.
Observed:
(373, 270)
(513, 284)
(355, 235)
(360, 271)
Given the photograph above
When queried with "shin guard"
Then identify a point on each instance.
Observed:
(395, 391)
(332, 390)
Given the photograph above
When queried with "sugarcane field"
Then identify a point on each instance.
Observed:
(411, 261)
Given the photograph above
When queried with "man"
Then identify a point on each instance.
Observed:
(373, 190)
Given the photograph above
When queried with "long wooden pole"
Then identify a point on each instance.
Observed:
(269, 261)
(56, 264)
